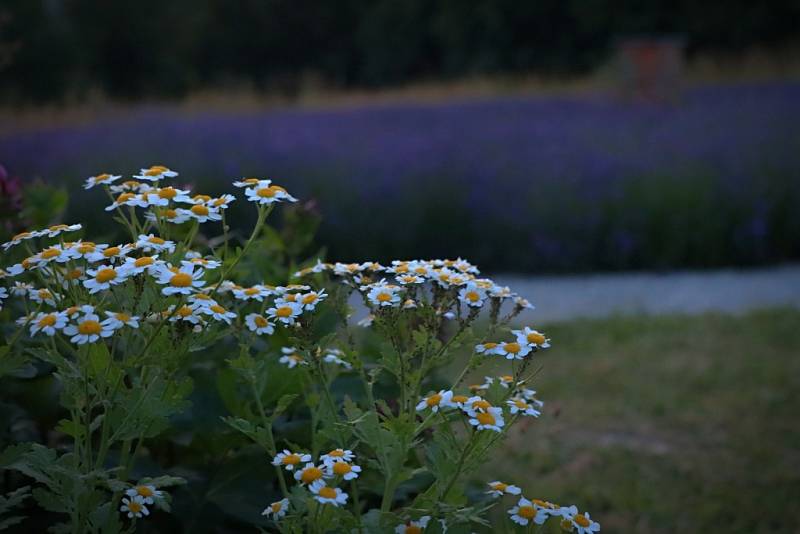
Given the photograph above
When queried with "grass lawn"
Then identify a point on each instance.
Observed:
(668, 424)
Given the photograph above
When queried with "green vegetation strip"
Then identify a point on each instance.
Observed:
(668, 424)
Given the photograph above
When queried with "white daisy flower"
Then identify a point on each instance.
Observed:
(410, 279)
(205, 263)
(222, 202)
(475, 405)
(43, 296)
(498, 489)
(337, 455)
(185, 313)
(88, 328)
(264, 193)
(219, 313)
(472, 295)
(343, 469)
(100, 179)
(126, 198)
(310, 300)
(522, 407)
(154, 243)
(181, 281)
(328, 495)
(523, 303)
(54, 253)
(162, 196)
(381, 294)
(435, 401)
(442, 276)
(491, 419)
(117, 320)
(134, 266)
(277, 509)
(48, 323)
(456, 401)
(21, 289)
(344, 269)
(525, 512)
(201, 213)
(129, 185)
(319, 267)
(19, 238)
(103, 278)
(291, 358)
(309, 474)
(109, 253)
(531, 337)
(147, 492)
(53, 231)
(500, 292)
(512, 350)
(530, 396)
(84, 249)
(419, 268)
(250, 182)
(414, 527)
(256, 292)
(200, 301)
(580, 523)
(334, 356)
(285, 312)
(155, 173)
(258, 324)
(135, 507)
(289, 460)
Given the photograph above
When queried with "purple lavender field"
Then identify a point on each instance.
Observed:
(541, 183)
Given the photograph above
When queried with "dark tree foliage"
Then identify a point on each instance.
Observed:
(135, 48)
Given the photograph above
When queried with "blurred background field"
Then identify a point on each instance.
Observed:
(529, 137)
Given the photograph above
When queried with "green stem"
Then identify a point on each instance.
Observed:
(268, 426)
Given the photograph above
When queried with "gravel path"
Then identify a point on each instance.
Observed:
(733, 291)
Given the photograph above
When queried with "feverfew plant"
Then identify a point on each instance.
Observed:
(386, 445)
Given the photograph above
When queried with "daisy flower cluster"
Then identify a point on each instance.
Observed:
(137, 499)
(528, 512)
(321, 478)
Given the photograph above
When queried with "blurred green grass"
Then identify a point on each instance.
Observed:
(667, 424)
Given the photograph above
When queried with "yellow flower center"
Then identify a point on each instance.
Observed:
(180, 280)
(167, 193)
(413, 529)
(512, 347)
(155, 170)
(528, 512)
(45, 294)
(521, 404)
(341, 468)
(327, 493)
(310, 474)
(535, 337)
(47, 320)
(50, 253)
(250, 291)
(184, 311)
(134, 507)
(283, 311)
(199, 209)
(23, 235)
(433, 400)
(499, 486)
(291, 459)
(267, 192)
(144, 491)
(384, 297)
(58, 227)
(420, 270)
(170, 214)
(102, 177)
(216, 308)
(26, 263)
(105, 275)
(251, 180)
(260, 321)
(131, 184)
(124, 197)
(85, 248)
(111, 251)
(581, 520)
(336, 453)
(219, 202)
(89, 327)
(201, 296)
(460, 398)
(485, 418)
(276, 507)
(156, 240)
(310, 298)
(201, 198)
(143, 261)
(481, 404)
(123, 317)
(74, 273)
(472, 296)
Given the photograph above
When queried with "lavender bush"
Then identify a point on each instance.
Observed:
(539, 183)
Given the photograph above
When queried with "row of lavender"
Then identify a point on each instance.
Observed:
(539, 183)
